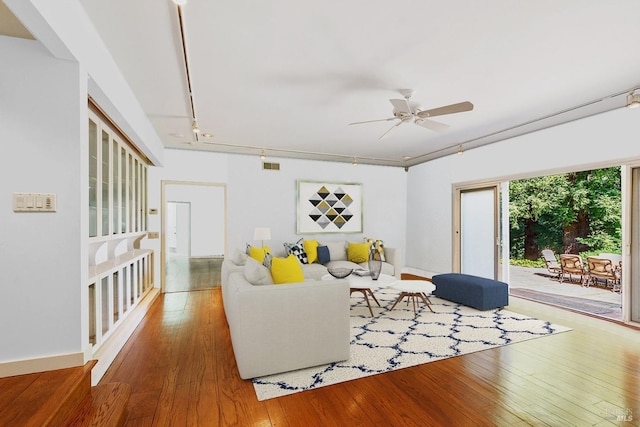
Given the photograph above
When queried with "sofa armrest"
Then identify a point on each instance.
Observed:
(279, 328)
(393, 257)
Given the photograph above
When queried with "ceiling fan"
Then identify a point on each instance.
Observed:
(406, 110)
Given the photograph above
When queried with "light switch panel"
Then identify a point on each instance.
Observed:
(34, 202)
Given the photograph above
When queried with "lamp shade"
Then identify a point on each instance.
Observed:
(262, 233)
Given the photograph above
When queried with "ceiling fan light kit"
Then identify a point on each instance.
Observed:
(406, 111)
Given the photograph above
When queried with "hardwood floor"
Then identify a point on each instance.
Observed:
(182, 371)
(192, 274)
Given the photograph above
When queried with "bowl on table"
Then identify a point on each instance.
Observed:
(340, 272)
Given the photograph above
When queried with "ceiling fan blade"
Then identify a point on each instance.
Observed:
(401, 106)
(432, 125)
(447, 109)
(391, 128)
(372, 121)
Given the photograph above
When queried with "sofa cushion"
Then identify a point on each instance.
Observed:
(358, 252)
(257, 253)
(344, 264)
(337, 250)
(323, 255)
(297, 249)
(314, 271)
(286, 270)
(256, 273)
(311, 248)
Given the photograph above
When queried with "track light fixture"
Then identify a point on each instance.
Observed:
(460, 150)
(263, 155)
(354, 162)
(633, 100)
(180, 2)
(194, 127)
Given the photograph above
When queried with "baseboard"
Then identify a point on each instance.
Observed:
(112, 346)
(41, 364)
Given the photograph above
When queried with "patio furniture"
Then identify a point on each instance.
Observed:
(603, 269)
(553, 266)
(572, 264)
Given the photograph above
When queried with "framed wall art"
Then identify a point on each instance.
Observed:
(329, 207)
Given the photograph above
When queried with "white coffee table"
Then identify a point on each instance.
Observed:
(365, 285)
(413, 290)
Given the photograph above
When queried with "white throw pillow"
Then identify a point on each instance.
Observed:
(239, 257)
(337, 250)
(256, 273)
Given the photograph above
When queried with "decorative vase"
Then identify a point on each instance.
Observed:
(375, 264)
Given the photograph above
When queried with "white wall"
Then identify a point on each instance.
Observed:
(43, 256)
(592, 142)
(259, 198)
(205, 222)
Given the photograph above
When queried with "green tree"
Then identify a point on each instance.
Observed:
(530, 202)
(571, 213)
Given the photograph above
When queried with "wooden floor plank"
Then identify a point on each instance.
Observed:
(182, 371)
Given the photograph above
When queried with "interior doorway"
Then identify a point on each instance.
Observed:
(193, 235)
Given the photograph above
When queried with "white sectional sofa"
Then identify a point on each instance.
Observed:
(279, 328)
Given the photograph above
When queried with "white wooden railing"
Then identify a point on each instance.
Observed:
(119, 279)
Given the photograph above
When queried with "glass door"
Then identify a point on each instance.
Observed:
(631, 274)
(477, 231)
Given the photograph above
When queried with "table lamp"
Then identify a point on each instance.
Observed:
(262, 234)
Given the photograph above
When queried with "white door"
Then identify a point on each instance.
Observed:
(478, 232)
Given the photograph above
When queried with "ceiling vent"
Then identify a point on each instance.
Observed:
(270, 166)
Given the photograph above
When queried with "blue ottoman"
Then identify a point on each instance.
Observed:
(474, 291)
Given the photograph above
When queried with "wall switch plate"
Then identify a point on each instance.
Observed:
(34, 202)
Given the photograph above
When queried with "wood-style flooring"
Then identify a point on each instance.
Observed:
(180, 365)
(183, 273)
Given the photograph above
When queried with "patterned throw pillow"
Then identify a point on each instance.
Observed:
(267, 260)
(377, 247)
(297, 249)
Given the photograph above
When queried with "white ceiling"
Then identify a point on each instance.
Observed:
(288, 76)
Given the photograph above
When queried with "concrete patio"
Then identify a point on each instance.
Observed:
(539, 280)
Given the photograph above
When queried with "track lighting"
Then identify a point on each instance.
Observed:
(194, 127)
(263, 155)
(180, 2)
(460, 150)
(633, 100)
(354, 162)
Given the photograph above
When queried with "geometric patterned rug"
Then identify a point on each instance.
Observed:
(396, 339)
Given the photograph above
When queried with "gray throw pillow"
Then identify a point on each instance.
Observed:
(256, 273)
(337, 250)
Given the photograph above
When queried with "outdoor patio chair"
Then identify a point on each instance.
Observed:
(603, 269)
(553, 266)
(572, 264)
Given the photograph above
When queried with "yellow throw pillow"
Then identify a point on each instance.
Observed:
(358, 252)
(286, 270)
(311, 248)
(258, 253)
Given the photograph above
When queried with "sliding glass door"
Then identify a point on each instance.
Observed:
(631, 274)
